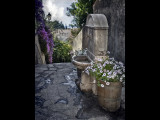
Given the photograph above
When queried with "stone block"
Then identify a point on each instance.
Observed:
(85, 84)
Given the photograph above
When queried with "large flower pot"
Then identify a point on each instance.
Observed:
(109, 96)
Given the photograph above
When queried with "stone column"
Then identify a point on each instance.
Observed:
(85, 84)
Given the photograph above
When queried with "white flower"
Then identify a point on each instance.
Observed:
(115, 73)
(108, 52)
(108, 76)
(110, 73)
(123, 75)
(106, 62)
(118, 67)
(121, 79)
(104, 74)
(104, 65)
(101, 71)
(114, 67)
(99, 66)
(119, 71)
(121, 66)
(93, 70)
(107, 83)
(111, 62)
(112, 59)
(120, 63)
(102, 85)
(107, 70)
(113, 76)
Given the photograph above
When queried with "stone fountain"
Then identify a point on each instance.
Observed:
(94, 42)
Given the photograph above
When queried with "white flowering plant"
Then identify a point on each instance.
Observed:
(107, 70)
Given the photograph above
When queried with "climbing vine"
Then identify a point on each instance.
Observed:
(43, 31)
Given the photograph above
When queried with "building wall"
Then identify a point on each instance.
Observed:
(77, 42)
(62, 34)
(114, 10)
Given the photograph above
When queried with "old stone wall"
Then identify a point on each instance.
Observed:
(77, 42)
(114, 10)
(39, 56)
(62, 34)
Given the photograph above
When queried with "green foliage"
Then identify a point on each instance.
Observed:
(72, 25)
(80, 10)
(61, 51)
(54, 24)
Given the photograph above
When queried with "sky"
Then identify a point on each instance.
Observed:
(58, 9)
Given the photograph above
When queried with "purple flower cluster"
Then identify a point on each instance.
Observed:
(42, 30)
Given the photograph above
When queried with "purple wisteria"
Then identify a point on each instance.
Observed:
(42, 29)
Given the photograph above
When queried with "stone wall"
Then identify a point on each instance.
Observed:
(77, 42)
(39, 56)
(114, 10)
(62, 34)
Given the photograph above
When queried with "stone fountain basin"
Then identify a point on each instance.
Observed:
(81, 61)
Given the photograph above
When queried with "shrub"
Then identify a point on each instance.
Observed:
(61, 51)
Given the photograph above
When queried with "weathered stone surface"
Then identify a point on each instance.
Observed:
(39, 56)
(38, 71)
(114, 10)
(95, 33)
(99, 118)
(123, 98)
(85, 84)
(77, 42)
(50, 65)
(53, 68)
(60, 99)
(94, 85)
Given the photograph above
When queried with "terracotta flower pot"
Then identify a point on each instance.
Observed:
(109, 96)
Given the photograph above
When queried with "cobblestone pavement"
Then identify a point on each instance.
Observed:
(58, 98)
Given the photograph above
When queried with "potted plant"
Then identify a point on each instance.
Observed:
(109, 75)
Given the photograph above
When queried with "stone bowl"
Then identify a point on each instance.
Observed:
(81, 61)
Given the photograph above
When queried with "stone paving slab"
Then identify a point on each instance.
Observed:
(58, 98)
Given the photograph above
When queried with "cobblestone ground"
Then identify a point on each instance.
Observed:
(58, 98)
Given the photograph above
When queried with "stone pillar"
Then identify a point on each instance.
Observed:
(85, 84)
(95, 35)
